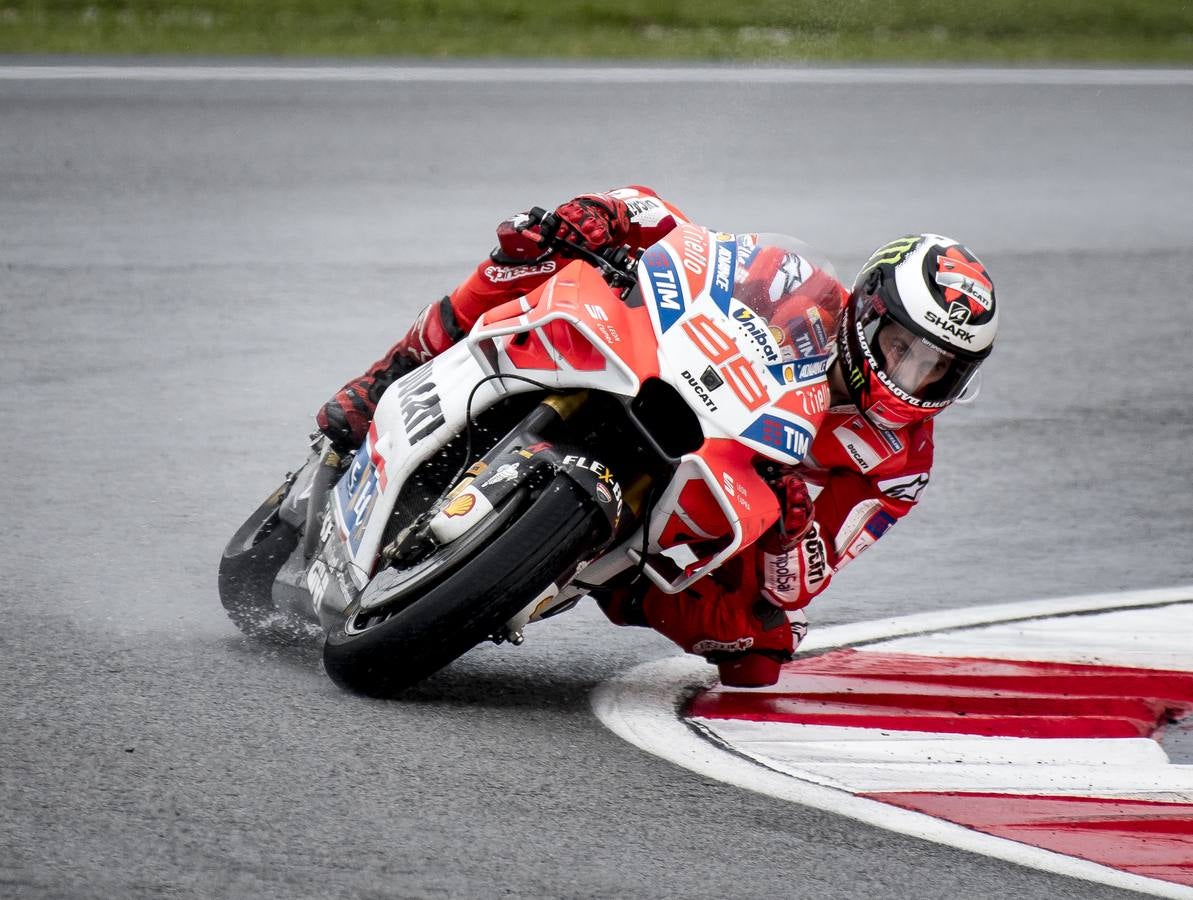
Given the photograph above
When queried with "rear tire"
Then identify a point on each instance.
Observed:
(546, 540)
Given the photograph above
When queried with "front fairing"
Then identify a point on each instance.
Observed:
(750, 355)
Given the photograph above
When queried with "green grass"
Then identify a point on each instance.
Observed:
(769, 31)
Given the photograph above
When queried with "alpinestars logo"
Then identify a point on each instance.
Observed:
(791, 273)
(499, 274)
(906, 488)
(709, 646)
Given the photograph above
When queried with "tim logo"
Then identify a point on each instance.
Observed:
(772, 431)
(664, 280)
(785, 436)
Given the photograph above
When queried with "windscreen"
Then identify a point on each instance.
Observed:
(794, 290)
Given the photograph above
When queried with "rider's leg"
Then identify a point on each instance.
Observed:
(722, 617)
(345, 417)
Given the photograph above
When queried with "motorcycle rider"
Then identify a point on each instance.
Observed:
(902, 345)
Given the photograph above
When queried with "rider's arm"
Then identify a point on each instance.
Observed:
(850, 513)
(503, 276)
(651, 217)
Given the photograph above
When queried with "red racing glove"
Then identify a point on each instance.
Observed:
(602, 220)
(795, 512)
(778, 577)
(599, 220)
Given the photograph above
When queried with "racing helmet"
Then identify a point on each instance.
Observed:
(919, 321)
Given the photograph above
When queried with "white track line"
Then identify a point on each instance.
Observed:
(613, 74)
(922, 623)
(642, 707)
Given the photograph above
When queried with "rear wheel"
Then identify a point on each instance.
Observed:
(379, 652)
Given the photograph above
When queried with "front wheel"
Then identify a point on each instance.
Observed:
(248, 567)
(379, 652)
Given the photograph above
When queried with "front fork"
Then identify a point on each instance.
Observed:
(523, 458)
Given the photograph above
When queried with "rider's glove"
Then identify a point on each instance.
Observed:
(778, 560)
(597, 220)
(795, 513)
(602, 220)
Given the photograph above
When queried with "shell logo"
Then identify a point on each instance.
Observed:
(461, 505)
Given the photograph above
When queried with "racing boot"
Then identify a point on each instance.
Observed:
(345, 417)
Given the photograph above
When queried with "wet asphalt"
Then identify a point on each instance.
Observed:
(188, 270)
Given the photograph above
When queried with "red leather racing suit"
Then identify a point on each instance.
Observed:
(863, 479)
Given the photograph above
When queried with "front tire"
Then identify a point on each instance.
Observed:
(248, 567)
(553, 534)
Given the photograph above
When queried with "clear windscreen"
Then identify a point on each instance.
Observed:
(793, 289)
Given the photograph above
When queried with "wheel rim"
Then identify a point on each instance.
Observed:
(436, 568)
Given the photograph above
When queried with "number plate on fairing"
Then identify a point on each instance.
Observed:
(738, 372)
(355, 495)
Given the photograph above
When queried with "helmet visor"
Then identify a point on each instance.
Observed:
(912, 366)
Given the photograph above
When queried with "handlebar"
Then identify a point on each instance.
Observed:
(617, 264)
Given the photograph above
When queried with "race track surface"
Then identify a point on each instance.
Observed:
(188, 269)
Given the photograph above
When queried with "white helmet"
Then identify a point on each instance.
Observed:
(919, 322)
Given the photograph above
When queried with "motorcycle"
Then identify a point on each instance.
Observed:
(615, 423)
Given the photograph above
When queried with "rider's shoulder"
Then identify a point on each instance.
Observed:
(917, 450)
(872, 451)
(634, 190)
(646, 207)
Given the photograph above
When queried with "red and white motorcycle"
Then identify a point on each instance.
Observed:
(607, 426)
